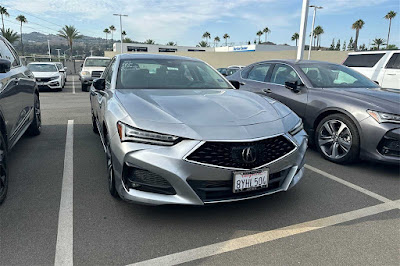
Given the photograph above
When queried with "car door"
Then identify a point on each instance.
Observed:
(254, 78)
(281, 73)
(13, 93)
(391, 75)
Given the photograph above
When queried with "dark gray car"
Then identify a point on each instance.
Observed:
(19, 106)
(346, 115)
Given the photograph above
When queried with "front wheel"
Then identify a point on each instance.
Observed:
(36, 125)
(84, 87)
(337, 139)
(3, 169)
(110, 170)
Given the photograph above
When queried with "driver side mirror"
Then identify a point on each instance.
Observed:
(99, 84)
(5, 65)
(293, 86)
(235, 84)
(61, 70)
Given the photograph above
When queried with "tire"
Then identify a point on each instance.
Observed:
(337, 139)
(84, 87)
(36, 125)
(110, 170)
(3, 169)
(94, 125)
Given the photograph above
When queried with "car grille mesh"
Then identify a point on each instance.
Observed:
(96, 74)
(43, 79)
(230, 154)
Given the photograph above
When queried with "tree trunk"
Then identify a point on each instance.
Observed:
(72, 55)
(390, 24)
(2, 21)
(22, 45)
(356, 40)
(296, 41)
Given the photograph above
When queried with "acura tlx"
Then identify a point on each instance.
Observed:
(175, 131)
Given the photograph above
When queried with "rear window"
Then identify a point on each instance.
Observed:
(363, 60)
(394, 61)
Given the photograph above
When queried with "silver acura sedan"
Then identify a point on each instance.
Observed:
(175, 131)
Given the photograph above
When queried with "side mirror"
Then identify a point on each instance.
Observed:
(376, 82)
(5, 65)
(293, 86)
(99, 84)
(65, 68)
(235, 84)
(81, 65)
(61, 70)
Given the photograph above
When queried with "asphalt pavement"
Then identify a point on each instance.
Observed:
(336, 215)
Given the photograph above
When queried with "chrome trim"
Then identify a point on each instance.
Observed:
(244, 140)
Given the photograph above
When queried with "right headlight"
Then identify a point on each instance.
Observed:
(381, 117)
(297, 128)
(129, 133)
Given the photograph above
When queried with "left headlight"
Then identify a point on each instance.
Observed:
(297, 128)
(128, 133)
(381, 117)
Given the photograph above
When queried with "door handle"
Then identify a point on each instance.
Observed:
(391, 74)
(242, 83)
(267, 91)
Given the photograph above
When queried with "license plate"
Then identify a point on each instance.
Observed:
(40, 83)
(250, 180)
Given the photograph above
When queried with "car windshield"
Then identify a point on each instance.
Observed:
(42, 68)
(168, 74)
(335, 76)
(96, 62)
(231, 71)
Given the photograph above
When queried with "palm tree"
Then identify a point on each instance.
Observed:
(21, 19)
(202, 44)
(295, 37)
(389, 16)
(106, 31)
(112, 29)
(171, 44)
(226, 37)
(10, 35)
(216, 40)
(206, 35)
(3, 12)
(317, 33)
(378, 42)
(259, 34)
(149, 41)
(123, 33)
(357, 26)
(70, 33)
(266, 31)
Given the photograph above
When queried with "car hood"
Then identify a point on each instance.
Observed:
(45, 74)
(211, 114)
(93, 68)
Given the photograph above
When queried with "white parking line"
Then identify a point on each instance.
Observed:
(64, 246)
(73, 85)
(348, 184)
(264, 237)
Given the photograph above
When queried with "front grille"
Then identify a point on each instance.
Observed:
(389, 146)
(147, 181)
(213, 190)
(230, 154)
(43, 79)
(96, 74)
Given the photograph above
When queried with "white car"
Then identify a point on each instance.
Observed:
(383, 67)
(47, 75)
(92, 69)
(62, 69)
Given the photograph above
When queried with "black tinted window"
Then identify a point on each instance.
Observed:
(363, 60)
(7, 54)
(284, 73)
(394, 61)
(259, 72)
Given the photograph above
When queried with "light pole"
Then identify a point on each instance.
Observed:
(303, 28)
(48, 45)
(312, 29)
(120, 25)
(58, 52)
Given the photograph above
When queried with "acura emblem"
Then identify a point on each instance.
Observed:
(249, 155)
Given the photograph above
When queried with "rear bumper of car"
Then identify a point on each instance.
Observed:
(177, 181)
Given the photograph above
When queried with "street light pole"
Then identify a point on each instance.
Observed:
(48, 45)
(120, 25)
(303, 28)
(312, 29)
(58, 52)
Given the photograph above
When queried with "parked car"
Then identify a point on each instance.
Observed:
(19, 106)
(62, 69)
(232, 69)
(222, 70)
(383, 67)
(92, 68)
(347, 115)
(175, 131)
(47, 75)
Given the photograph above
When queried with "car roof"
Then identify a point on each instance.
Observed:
(294, 62)
(374, 52)
(41, 63)
(155, 56)
(97, 57)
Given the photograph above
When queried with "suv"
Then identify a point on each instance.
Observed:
(92, 69)
(19, 106)
(383, 67)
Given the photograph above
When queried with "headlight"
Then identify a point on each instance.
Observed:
(128, 133)
(384, 117)
(297, 128)
(85, 73)
(54, 78)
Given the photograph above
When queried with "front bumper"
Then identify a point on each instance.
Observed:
(379, 142)
(168, 163)
(86, 80)
(53, 84)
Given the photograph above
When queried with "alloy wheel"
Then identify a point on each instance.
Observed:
(38, 113)
(335, 139)
(3, 169)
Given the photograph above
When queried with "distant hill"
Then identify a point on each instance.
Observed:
(40, 38)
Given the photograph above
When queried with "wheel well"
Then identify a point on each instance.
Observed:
(3, 131)
(325, 114)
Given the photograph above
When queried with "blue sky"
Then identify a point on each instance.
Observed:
(184, 22)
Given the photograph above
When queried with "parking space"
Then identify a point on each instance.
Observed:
(320, 221)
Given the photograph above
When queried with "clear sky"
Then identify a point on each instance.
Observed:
(185, 21)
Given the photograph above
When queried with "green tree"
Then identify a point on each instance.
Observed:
(150, 41)
(106, 31)
(202, 44)
(216, 40)
(70, 33)
(22, 19)
(389, 16)
(127, 40)
(10, 35)
(259, 34)
(3, 12)
(344, 46)
(332, 45)
(317, 33)
(206, 35)
(392, 47)
(363, 47)
(112, 29)
(338, 45)
(266, 30)
(351, 44)
(295, 37)
(171, 44)
(377, 42)
(226, 37)
(358, 25)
